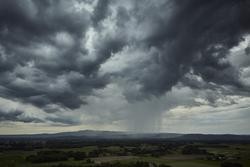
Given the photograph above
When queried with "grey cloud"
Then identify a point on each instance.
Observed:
(101, 11)
(191, 38)
(64, 121)
(35, 18)
(17, 116)
(44, 60)
(188, 36)
(247, 50)
(9, 115)
(50, 73)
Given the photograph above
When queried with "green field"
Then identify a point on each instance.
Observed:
(239, 153)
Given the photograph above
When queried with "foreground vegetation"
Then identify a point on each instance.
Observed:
(123, 154)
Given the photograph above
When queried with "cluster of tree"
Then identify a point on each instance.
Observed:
(137, 151)
(117, 164)
(230, 164)
(65, 165)
(191, 149)
(88, 163)
(28, 145)
(53, 156)
(216, 157)
(151, 150)
(47, 156)
(132, 164)
(39, 142)
(212, 145)
(104, 151)
(142, 149)
(146, 151)
(135, 164)
(56, 155)
(21, 143)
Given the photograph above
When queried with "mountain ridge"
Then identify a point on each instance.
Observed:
(93, 134)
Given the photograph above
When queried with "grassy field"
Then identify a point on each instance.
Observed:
(174, 159)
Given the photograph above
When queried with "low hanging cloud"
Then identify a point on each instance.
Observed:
(17, 116)
(60, 53)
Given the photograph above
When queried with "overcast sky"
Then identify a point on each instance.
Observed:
(126, 65)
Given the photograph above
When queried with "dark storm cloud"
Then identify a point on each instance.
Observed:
(101, 11)
(44, 60)
(195, 36)
(31, 19)
(9, 115)
(27, 32)
(16, 116)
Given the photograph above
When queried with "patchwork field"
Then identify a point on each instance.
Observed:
(140, 154)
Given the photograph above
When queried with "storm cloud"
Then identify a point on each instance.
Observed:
(196, 38)
(58, 55)
(17, 115)
(42, 61)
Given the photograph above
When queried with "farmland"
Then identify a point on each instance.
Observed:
(124, 153)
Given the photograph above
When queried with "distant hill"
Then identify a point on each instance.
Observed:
(214, 137)
(98, 135)
(91, 134)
